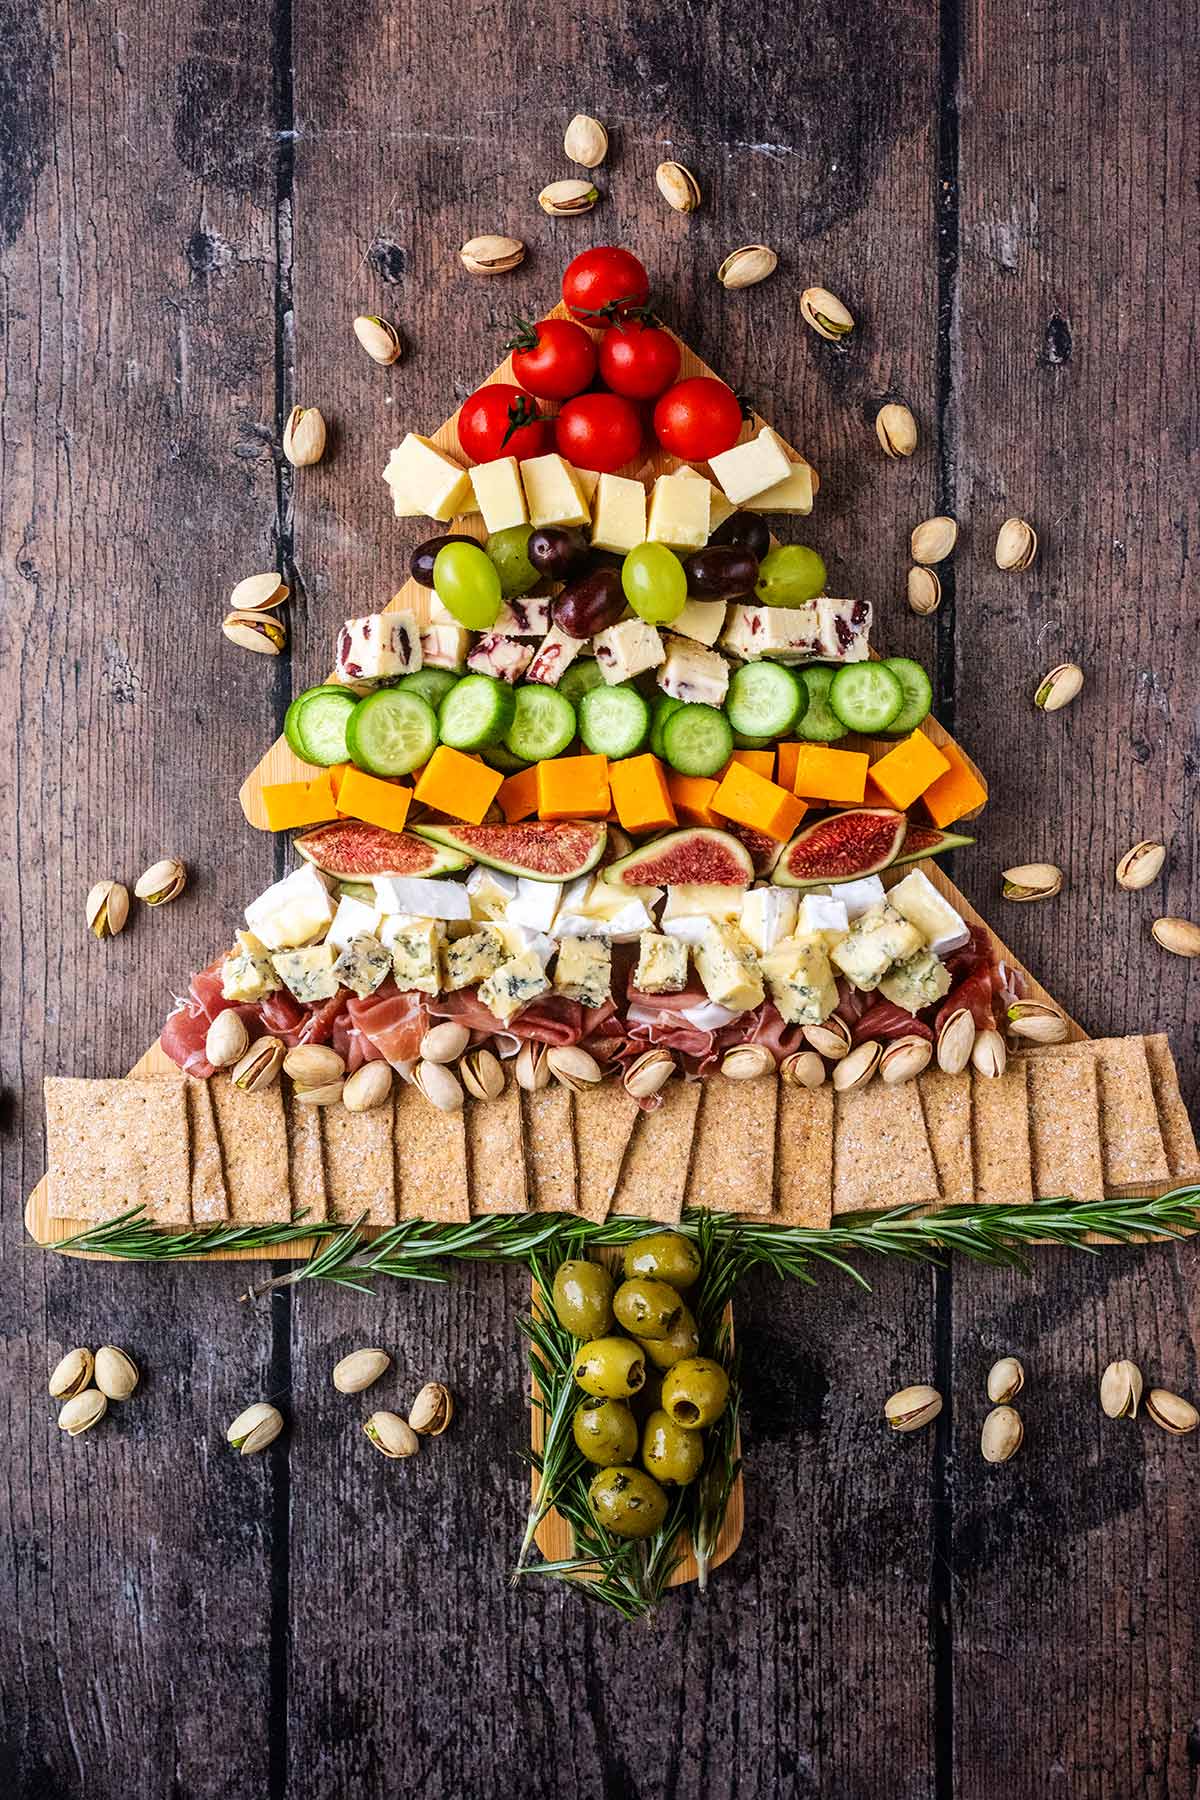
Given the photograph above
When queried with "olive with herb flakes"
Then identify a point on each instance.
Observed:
(627, 1501)
(582, 1297)
(682, 1340)
(695, 1392)
(666, 1256)
(646, 1308)
(605, 1432)
(672, 1454)
(611, 1368)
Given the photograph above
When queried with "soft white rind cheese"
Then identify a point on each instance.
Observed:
(942, 928)
(768, 914)
(860, 896)
(292, 911)
(535, 904)
(352, 919)
(428, 899)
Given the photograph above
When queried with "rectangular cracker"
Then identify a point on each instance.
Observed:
(306, 1154)
(360, 1163)
(431, 1160)
(1000, 1136)
(1179, 1140)
(550, 1149)
(804, 1156)
(946, 1103)
(210, 1196)
(1064, 1128)
(496, 1154)
(254, 1150)
(161, 1125)
(654, 1175)
(605, 1116)
(93, 1169)
(733, 1154)
(881, 1154)
(1134, 1151)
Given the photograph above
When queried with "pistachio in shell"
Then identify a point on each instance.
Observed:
(432, 1410)
(912, 1408)
(116, 1372)
(82, 1411)
(255, 1428)
(71, 1374)
(360, 1370)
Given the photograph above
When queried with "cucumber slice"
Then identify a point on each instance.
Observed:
(613, 721)
(763, 700)
(543, 723)
(918, 693)
(664, 706)
(499, 756)
(432, 684)
(866, 696)
(391, 732)
(316, 722)
(742, 741)
(579, 678)
(698, 740)
(478, 710)
(816, 724)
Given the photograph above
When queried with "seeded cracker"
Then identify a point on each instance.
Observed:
(254, 1148)
(307, 1159)
(165, 1147)
(431, 1159)
(1064, 1128)
(733, 1158)
(946, 1103)
(496, 1154)
(804, 1156)
(1000, 1136)
(550, 1149)
(1133, 1146)
(1179, 1139)
(360, 1164)
(96, 1143)
(210, 1197)
(605, 1116)
(881, 1154)
(655, 1172)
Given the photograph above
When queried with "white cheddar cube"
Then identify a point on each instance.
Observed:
(444, 646)
(719, 508)
(618, 514)
(625, 650)
(692, 674)
(752, 468)
(293, 911)
(679, 513)
(552, 493)
(535, 904)
(794, 494)
(422, 898)
(587, 481)
(379, 646)
(425, 482)
(768, 914)
(700, 620)
(499, 493)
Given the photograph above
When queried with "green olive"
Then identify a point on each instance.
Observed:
(647, 1309)
(627, 1502)
(583, 1299)
(666, 1256)
(670, 1453)
(695, 1391)
(682, 1340)
(612, 1368)
(605, 1431)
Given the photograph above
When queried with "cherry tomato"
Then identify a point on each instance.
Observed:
(638, 359)
(698, 418)
(501, 420)
(598, 431)
(604, 284)
(553, 359)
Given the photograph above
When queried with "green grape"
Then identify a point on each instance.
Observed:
(790, 574)
(466, 582)
(655, 583)
(507, 549)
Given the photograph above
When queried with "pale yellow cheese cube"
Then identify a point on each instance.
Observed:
(619, 514)
(794, 494)
(679, 513)
(553, 495)
(425, 482)
(719, 508)
(752, 468)
(586, 480)
(499, 493)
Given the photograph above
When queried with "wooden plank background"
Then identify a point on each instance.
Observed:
(195, 200)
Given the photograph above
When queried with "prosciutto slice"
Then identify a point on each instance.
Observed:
(386, 1026)
(550, 1019)
(883, 1020)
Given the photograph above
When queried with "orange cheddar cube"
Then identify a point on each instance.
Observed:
(956, 793)
(518, 794)
(691, 796)
(456, 784)
(825, 774)
(288, 804)
(337, 774)
(761, 761)
(786, 756)
(748, 799)
(573, 787)
(903, 775)
(640, 794)
(383, 803)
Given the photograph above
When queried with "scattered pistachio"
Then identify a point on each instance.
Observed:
(312, 1065)
(575, 1068)
(482, 1075)
(679, 188)
(116, 1372)
(1039, 1021)
(1005, 1380)
(562, 199)
(255, 1428)
(71, 1374)
(529, 1067)
(912, 1408)
(748, 266)
(107, 908)
(259, 593)
(162, 882)
(1121, 1389)
(857, 1067)
(260, 1066)
(360, 1370)
(445, 1043)
(1059, 687)
(255, 631)
(1141, 865)
(367, 1088)
(1172, 1412)
(924, 591)
(585, 141)
(956, 1041)
(904, 1059)
(1032, 881)
(988, 1054)
(491, 255)
(826, 314)
(648, 1073)
(830, 1040)
(304, 436)
(393, 1436)
(325, 1093)
(82, 1411)
(1016, 545)
(747, 1062)
(896, 429)
(379, 338)
(432, 1410)
(933, 539)
(803, 1068)
(1179, 936)
(439, 1086)
(1002, 1434)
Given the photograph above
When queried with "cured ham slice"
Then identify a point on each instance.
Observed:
(550, 1019)
(387, 1025)
(883, 1020)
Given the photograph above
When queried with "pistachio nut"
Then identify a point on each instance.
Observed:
(439, 1086)
(312, 1065)
(116, 1372)
(1016, 545)
(446, 1042)
(678, 187)
(1038, 1021)
(924, 591)
(1032, 881)
(489, 255)
(857, 1068)
(82, 1411)
(391, 1435)
(1172, 1412)
(162, 882)
(904, 1059)
(304, 436)
(325, 1093)
(1121, 1389)
(360, 1370)
(912, 1408)
(255, 1428)
(826, 314)
(529, 1067)
(259, 1068)
(1059, 687)
(747, 266)
(803, 1068)
(1141, 865)
(747, 1062)
(649, 1073)
(259, 593)
(227, 1040)
(955, 1041)
(379, 338)
(988, 1053)
(933, 539)
(1179, 936)
(1005, 1380)
(367, 1088)
(830, 1039)
(107, 908)
(896, 429)
(432, 1410)
(562, 199)
(482, 1075)
(575, 1068)
(71, 1374)
(255, 631)
(585, 141)
(1002, 1434)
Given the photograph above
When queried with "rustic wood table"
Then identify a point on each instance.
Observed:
(195, 201)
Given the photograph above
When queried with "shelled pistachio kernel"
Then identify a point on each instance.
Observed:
(1002, 1435)
(1172, 1412)
(360, 1370)
(912, 1408)
(304, 436)
(585, 141)
(258, 593)
(1031, 881)
(933, 539)
(432, 1410)
(678, 186)
(391, 1435)
(1141, 865)
(106, 908)
(896, 429)
(826, 314)
(924, 591)
(1005, 1380)
(1016, 545)
(1179, 936)
(747, 266)
(490, 255)
(71, 1374)
(255, 1428)
(1121, 1389)
(1059, 687)
(255, 631)
(563, 199)
(379, 338)
(162, 882)
(82, 1411)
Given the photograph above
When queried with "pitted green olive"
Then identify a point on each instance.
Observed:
(627, 1502)
(647, 1309)
(671, 1453)
(605, 1432)
(665, 1256)
(583, 1298)
(695, 1392)
(682, 1340)
(612, 1368)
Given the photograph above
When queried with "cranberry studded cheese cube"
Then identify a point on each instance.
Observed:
(379, 647)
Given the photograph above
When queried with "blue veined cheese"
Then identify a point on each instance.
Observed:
(583, 970)
(354, 918)
(802, 983)
(246, 974)
(473, 958)
(414, 945)
(918, 981)
(726, 964)
(308, 974)
(662, 964)
(363, 964)
(880, 937)
(513, 985)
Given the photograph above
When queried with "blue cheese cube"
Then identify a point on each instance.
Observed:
(513, 985)
(662, 965)
(362, 965)
(473, 958)
(583, 970)
(873, 943)
(917, 982)
(414, 946)
(802, 983)
(726, 965)
(308, 974)
(379, 647)
(246, 974)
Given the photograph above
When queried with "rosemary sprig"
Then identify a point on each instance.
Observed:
(134, 1238)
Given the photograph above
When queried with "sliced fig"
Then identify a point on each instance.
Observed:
(928, 840)
(697, 855)
(763, 849)
(354, 851)
(542, 849)
(843, 846)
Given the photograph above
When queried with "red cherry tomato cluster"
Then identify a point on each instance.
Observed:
(636, 361)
